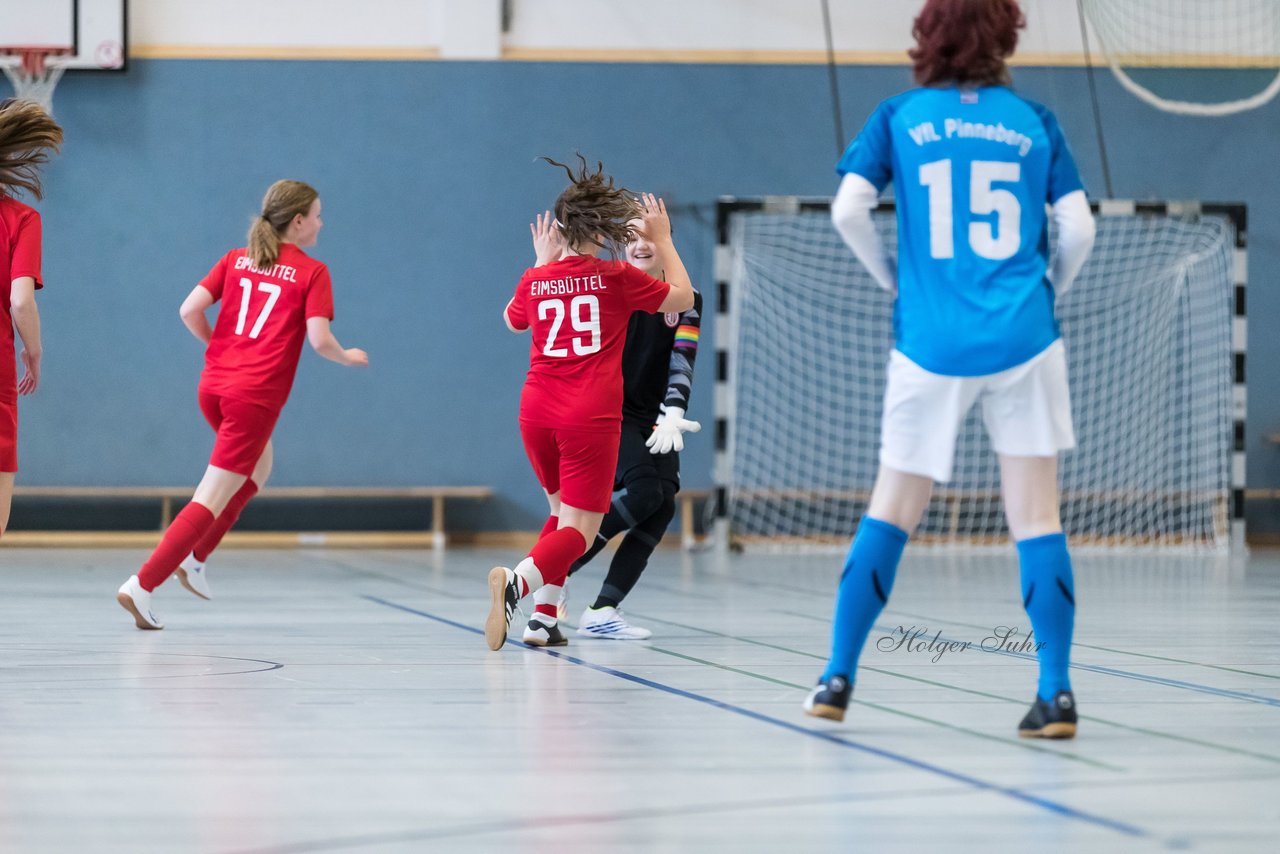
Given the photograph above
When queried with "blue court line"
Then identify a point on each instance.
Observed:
(1110, 671)
(1082, 645)
(1074, 665)
(1096, 668)
(974, 782)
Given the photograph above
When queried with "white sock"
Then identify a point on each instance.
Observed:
(548, 596)
(530, 573)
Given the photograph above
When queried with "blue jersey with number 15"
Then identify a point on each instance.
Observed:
(973, 170)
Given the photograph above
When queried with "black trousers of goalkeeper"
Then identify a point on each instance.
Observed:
(644, 505)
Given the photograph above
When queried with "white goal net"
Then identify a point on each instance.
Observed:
(1148, 329)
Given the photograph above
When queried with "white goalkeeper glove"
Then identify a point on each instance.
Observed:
(668, 433)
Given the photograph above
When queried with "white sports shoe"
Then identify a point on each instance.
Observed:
(137, 601)
(538, 633)
(504, 601)
(192, 574)
(608, 622)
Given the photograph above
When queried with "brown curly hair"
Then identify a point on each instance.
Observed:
(592, 207)
(27, 135)
(965, 41)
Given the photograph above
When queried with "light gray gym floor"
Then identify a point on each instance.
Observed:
(345, 701)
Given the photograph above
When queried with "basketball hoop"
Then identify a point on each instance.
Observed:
(35, 74)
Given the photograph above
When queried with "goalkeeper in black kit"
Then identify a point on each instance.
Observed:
(657, 376)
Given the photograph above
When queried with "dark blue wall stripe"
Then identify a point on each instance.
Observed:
(428, 178)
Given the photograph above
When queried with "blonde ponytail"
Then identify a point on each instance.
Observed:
(284, 200)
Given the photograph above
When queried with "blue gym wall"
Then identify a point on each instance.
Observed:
(428, 177)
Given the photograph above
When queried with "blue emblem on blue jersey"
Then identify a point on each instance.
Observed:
(973, 170)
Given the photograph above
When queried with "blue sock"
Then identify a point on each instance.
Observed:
(864, 589)
(1049, 595)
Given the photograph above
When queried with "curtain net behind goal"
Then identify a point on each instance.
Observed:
(1147, 328)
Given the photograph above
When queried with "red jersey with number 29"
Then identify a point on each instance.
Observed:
(578, 308)
(257, 340)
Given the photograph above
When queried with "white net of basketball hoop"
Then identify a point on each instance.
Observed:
(1192, 57)
(34, 74)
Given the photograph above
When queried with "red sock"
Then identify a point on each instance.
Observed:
(182, 534)
(225, 520)
(547, 611)
(556, 552)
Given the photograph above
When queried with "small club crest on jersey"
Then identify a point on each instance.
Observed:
(968, 96)
(672, 318)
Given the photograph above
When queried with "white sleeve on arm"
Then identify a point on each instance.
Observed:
(851, 213)
(1076, 231)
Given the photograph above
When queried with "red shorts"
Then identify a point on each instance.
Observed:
(8, 435)
(577, 464)
(243, 431)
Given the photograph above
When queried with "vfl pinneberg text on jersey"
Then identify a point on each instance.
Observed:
(925, 132)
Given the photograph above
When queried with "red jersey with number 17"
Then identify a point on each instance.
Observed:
(257, 340)
(578, 308)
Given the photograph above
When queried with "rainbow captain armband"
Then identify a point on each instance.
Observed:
(687, 336)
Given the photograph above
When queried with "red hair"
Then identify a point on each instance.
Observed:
(965, 41)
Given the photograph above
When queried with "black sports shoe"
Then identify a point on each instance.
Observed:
(829, 699)
(1051, 720)
(504, 593)
(538, 633)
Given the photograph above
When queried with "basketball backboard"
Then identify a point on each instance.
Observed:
(84, 34)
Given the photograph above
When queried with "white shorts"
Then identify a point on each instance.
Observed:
(1026, 409)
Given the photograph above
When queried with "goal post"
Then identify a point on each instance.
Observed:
(1155, 336)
